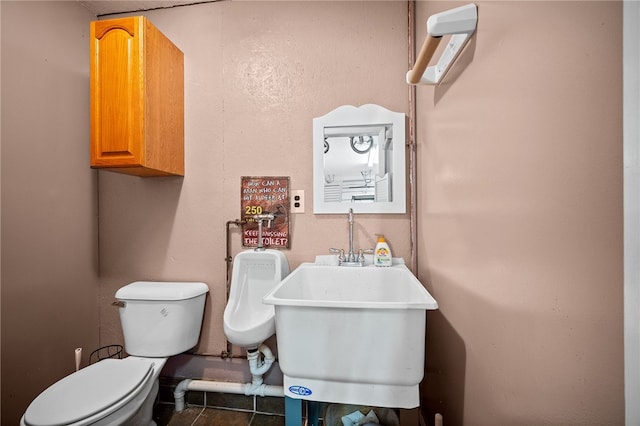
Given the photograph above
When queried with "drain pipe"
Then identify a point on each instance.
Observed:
(221, 387)
(257, 367)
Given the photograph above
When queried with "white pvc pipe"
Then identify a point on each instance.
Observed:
(256, 387)
(259, 370)
(223, 387)
(78, 353)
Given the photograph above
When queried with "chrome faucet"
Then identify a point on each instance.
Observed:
(350, 259)
(259, 218)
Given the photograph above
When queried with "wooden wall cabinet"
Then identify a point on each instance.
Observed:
(137, 99)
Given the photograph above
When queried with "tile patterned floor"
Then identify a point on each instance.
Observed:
(223, 409)
(201, 416)
(209, 408)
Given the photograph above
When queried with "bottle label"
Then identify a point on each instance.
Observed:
(382, 256)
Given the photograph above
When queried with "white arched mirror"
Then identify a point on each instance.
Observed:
(359, 161)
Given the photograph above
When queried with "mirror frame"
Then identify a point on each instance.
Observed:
(351, 116)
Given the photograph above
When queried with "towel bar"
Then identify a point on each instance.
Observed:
(460, 23)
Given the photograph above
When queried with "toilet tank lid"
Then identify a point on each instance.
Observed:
(154, 290)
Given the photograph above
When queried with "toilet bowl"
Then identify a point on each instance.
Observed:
(108, 392)
(247, 321)
(158, 320)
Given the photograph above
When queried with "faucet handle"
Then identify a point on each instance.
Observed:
(362, 252)
(340, 252)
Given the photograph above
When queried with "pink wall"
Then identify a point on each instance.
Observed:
(49, 200)
(519, 188)
(521, 218)
(256, 73)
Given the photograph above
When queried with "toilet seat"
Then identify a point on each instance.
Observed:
(91, 393)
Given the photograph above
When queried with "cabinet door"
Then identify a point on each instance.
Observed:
(117, 93)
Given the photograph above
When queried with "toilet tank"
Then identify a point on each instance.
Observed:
(161, 319)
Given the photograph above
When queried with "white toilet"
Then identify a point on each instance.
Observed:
(247, 321)
(159, 319)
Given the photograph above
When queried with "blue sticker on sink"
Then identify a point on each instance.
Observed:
(300, 390)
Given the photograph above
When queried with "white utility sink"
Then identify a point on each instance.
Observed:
(353, 335)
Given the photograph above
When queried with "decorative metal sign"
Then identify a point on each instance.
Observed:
(264, 197)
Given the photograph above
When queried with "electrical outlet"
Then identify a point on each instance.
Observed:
(297, 201)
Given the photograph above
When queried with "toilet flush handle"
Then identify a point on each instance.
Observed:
(119, 304)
